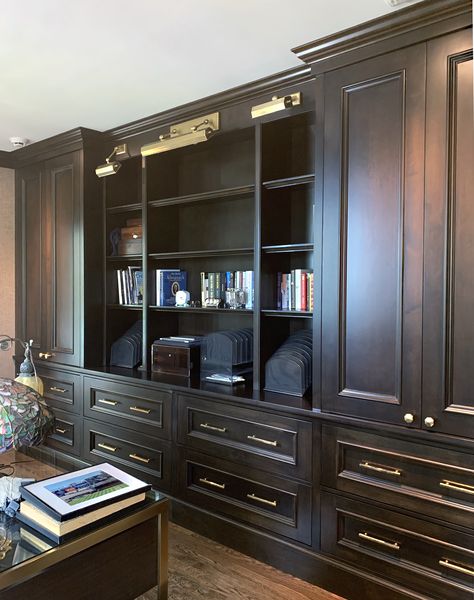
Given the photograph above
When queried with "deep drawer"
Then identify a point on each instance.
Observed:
(62, 390)
(145, 457)
(428, 558)
(429, 480)
(278, 444)
(143, 409)
(67, 433)
(262, 500)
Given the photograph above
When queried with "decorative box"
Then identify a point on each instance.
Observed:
(175, 357)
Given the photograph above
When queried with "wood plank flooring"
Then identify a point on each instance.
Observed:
(201, 569)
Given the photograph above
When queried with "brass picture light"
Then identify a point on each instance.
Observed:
(112, 166)
(276, 104)
(184, 134)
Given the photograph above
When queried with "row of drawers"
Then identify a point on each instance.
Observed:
(425, 479)
(236, 462)
(277, 444)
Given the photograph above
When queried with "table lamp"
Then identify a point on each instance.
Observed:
(25, 419)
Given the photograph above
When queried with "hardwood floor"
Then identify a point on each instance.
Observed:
(201, 569)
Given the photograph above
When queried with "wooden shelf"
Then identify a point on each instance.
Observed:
(275, 184)
(234, 192)
(180, 309)
(299, 314)
(125, 306)
(124, 258)
(124, 208)
(200, 253)
(283, 248)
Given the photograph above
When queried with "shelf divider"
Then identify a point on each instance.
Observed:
(200, 253)
(299, 314)
(242, 190)
(284, 248)
(274, 184)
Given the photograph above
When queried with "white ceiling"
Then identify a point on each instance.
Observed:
(99, 64)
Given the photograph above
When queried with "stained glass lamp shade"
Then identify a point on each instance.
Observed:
(25, 419)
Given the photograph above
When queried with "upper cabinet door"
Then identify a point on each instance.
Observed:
(373, 237)
(63, 234)
(30, 322)
(448, 327)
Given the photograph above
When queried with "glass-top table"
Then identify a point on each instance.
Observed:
(33, 566)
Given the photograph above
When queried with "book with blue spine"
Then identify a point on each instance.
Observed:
(170, 283)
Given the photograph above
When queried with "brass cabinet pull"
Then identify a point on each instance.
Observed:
(371, 538)
(45, 355)
(142, 459)
(138, 409)
(109, 402)
(459, 487)
(107, 447)
(60, 430)
(456, 567)
(379, 469)
(213, 427)
(221, 486)
(53, 388)
(262, 441)
(262, 500)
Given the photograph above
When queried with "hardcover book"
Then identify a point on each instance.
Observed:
(71, 495)
(170, 283)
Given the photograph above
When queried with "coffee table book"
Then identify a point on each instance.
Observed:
(59, 506)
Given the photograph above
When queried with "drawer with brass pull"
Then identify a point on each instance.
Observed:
(430, 559)
(425, 479)
(272, 503)
(62, 390)
(278, 444)
(66, 433)
(146, 457)
(136, 407)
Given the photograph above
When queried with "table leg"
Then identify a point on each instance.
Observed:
(162, 583)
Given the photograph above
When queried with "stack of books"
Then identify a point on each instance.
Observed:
(215, 284)
(61, 506)
(130, 285)
(295, 290)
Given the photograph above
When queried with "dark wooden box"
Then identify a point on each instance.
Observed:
(175, 359)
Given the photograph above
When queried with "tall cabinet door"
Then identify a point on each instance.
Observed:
(31, 324)
(373, 237)
(448, 328)
(62, 233)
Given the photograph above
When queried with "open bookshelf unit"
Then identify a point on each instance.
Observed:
(122, 202)
(286, 235)
(242, 201)
(200, 203)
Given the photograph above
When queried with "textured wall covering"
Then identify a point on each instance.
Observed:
(7, 264)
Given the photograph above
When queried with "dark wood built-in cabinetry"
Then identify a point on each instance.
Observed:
(365, 484)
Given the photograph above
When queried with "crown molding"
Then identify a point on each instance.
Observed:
(6, 160)
(401, 22)
(74, 139)
(294, 76)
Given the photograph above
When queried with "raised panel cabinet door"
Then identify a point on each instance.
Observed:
(63, 258)
(30, 317)
(448, 326)
(373, 237)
